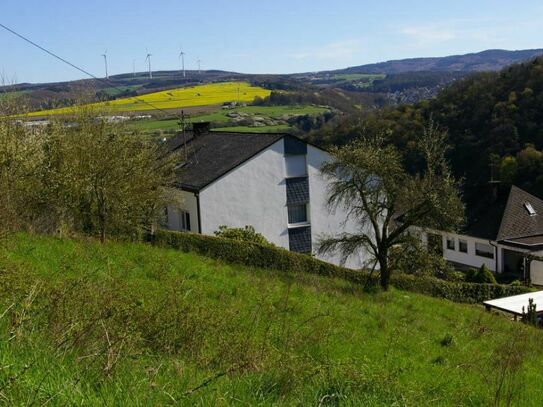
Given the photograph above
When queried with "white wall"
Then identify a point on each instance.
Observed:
(251, 194)
(536, 270)
(470, 258)
(255, 194)
(326, 223)
(186, 201)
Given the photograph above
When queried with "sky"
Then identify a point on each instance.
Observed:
(279, 36)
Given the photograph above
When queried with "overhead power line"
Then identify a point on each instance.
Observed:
(104, 81)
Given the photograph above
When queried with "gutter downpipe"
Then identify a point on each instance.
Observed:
(495, 246)
(198, 212)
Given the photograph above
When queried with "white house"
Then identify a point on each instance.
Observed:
(505, 232)
(269, 181)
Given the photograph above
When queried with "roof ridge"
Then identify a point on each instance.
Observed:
(507, 205)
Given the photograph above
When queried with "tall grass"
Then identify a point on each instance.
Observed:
(84, 323)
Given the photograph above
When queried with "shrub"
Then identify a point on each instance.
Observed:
(272, 257)
(253, 254)
(481, 275)
(246, 234)
(414, 258)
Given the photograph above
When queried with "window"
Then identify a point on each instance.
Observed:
(463, 245)
(184, 221)
(451, 243)
(530, 208)
(484, 250)
(300, 239)
(295, 166)
(297, 214)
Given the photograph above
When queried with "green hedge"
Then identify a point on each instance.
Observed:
(270, 257)
(454, 291)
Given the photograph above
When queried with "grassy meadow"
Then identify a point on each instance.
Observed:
(202, 95)
(220, 117)
(129, 324)
(360, 80)
(280, 128)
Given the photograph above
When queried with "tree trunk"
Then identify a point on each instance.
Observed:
(384, 272)
(102, 234)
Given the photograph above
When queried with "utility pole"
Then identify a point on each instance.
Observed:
(182, 124)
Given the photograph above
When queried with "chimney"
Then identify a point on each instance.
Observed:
(200, 128)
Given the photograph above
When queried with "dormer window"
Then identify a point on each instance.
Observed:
(528, 206)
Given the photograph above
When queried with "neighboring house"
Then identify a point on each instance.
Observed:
(269, 181)
(504, 231)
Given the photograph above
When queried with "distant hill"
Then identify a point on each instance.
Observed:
(410, 80)
(495, 127)
(396, 82)
(489, 60)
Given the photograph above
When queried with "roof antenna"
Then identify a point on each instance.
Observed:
(494, 183)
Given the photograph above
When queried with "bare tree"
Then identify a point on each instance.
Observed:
(368, 178)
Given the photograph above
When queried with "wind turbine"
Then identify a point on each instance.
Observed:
(182, 57)
(149, 60)
(105, 62)
(134, 68)
(199, 62)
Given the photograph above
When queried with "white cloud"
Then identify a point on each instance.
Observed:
(341, 50)
(479, 30)
(429, 34)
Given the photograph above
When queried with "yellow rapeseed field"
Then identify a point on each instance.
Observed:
(202, 95)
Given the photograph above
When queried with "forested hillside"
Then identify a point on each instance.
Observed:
(496, 122)
(495, 125)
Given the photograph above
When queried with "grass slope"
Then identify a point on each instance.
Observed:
(202, 95)
(84, 323)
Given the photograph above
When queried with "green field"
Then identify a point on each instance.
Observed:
(13, 94)
(280, 128)
(220, 117)
(129, 324)
(116, 91)
(202, 95)
(360, 80)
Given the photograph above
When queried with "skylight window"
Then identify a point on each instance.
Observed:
(530, 208)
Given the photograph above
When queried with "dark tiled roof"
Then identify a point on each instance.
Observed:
(214, 154)
(505, 217)
(527, 241)
(517, 221)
